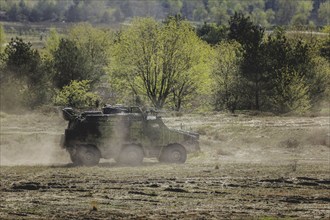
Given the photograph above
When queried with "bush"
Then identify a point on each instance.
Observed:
(77, 95)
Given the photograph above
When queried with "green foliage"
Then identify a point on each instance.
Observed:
(302, 13)
(52, 42)
(94, 44)
(250, 36)
(2, 38)
(290, 93)
(77, 95)
(299, 57)
(158, 60)
(229, 84)
(323, 13)
(265, 60)
(212, 33)
(286, 10)
(69, 64)
(83, 55)
(325, 49)
(243, 30)
(24, 65)
(21, 58)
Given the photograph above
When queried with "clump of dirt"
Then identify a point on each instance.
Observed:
(27, 186)
(290, 143)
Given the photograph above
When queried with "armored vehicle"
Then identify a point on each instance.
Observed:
(126, 134)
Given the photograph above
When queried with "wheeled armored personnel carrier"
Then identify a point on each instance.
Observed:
(126, 134)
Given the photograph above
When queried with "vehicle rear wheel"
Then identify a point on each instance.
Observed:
(174, 153)
(131, 155)
(87, 155)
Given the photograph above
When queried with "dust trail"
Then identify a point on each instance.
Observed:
(31, 149)
(31, 139)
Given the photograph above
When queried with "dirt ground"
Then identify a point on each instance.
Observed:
(249, 167)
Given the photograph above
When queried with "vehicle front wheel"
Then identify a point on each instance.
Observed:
(87, 155)
(131, 155)
(174, 153)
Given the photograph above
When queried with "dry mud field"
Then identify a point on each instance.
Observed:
(249, 167)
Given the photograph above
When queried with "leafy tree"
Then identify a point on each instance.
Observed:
(77, 95)
(323, 13)
(94, 44)
(52, 43)
(325, 48)
(286, 10)
(82, 55)
(243, 30)
(25, 67)
(302, 14)
(2, 38)
(291, 65)
(158, 59)
(250, 36)
(74, 12)
(290, 92)
(219, 11)
(69, 63)
(22, 60)
(212, 33)
(229, 93)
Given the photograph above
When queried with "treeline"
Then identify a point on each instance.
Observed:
(169, 64)
(267, 13)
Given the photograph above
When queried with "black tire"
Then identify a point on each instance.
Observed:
(74, 159)
(174, 153)
(87, 155)
(131, 155)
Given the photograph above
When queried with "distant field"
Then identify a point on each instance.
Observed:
(35, 33)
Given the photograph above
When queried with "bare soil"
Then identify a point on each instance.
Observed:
(249, 167)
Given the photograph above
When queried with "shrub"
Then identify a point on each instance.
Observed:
(77, 95)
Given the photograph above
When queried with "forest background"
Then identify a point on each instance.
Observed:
(181, 55)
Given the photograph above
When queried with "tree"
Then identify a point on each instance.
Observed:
(212, 33)
(295, 73)
(242, 29)
(286, 10)
(22, 60)
(250, 36)
(303, 13)
(69, 64)
(83, 54)
(323, 13)
(2, 38)
(26, 69)
(160, 59)
(229, 84)
(94, 44)
(290, 92)
(52, 42)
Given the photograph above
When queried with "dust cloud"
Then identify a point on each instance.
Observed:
(29, 152)
(33, 149)
(31, 139)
